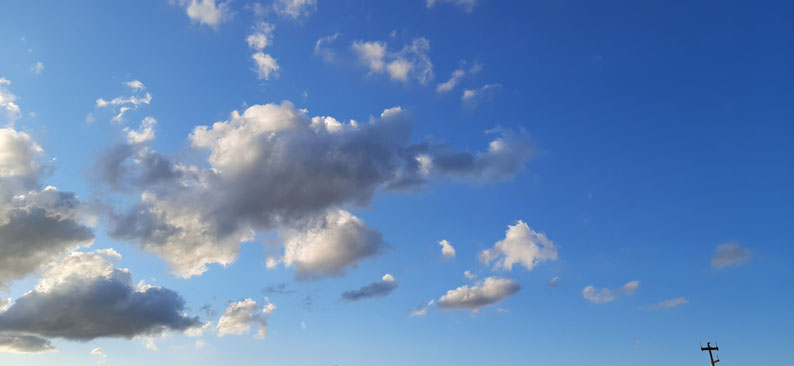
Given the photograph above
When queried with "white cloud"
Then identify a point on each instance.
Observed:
(606, 295)
(450, 84)
(554, 282)
(412, 62)
(265, 66)
(261, 37)
(521, 245)
(200, 343)
(469, 276)
(447, 250)
(330, 245)
(472, 97)
(207, 12)
(37, 68)
(322, 49)
(295, 8)
(239, 316)
(145, 132)
(123, 104)
(150, 345)
(730, 254)
(669, 304)
(303, 325)
(487, 292)
(421, 310)
(466, 5)
(9, 110)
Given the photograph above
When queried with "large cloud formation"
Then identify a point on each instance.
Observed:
(487, 292)
(521, 245)
(272, 166)
(83, 297)
(36, 224)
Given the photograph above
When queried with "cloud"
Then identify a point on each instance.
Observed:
(469, 276)
(99, 354)
(37, 68)
(412, 62)
(145, 132)
(448, 85)
(375, 289)
(668, 304)
(9, 110)
(123, 104)
(83, 297)
(447, 250)
(207, 12)
(321, 48)
(20, 343)
(466, 5)
(295, 9)
(274, 167)
(200, 343)
(262, 36)
(554, 282)
(265, 66)
(606, 295)
(472, 97)
(521, 245)
(729, 254)
(421, 310)
(487, 292)
(36, 224)
(239, 316)
(329, 245)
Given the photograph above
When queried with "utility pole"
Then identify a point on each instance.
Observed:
(710, 348)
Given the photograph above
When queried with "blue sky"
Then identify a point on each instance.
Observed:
(615, 180)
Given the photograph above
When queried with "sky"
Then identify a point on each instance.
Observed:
(427, 182)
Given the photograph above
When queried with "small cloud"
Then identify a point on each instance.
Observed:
(469, 276)
(37, 68)
(554, 282)
(150, 345)
(99, 354)
(447, 250)
(421, 310)
(668, 304)
(207, 12)
(606, 295)
(303, 325)
(466, 5)
(373, 290)
(200, 343)
(630, 288)
(322, 49)
(295, 9)
(473, 97)
(730, 254)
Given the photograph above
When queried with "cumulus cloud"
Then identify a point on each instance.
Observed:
(487, 292)
(729, 254)
(9, 110)
(295, 9)
(36, 224)
(37, 68)
(412, 62)
(473, 97)
(207, 12)
(521, 245)
(606, 295)
(322, 49)
(447, 250)
(274, 167)
(669, 304)
(375, 289)
(144, 133)
(83, 297)
(123, 104)
(466, 5)
(20, 343)
(240, 316)
(265, 65)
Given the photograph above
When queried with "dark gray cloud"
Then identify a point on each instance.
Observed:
(20, 343)
(273, 166)
(373, 290)
(83, 297)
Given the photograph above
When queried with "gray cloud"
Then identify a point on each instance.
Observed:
(20, 343)
(83, 297)
(272, 166)
(730, 254)
(487, 292)
(375, 289)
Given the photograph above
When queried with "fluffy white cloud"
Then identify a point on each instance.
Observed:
(412, 62)
(329, 245)
(606, 295)
(123, 104)
(261, 37)
(36, 224)
(265, 66)
(447, 250)
(9, 110)
(730, 254)
(83, 297)
(207, 12)
(521, 245)
(466, 5)
(669, 304)
(322, 49)
(375, 289)
(145, 132)
(239, 316)
(295, 9)
(37, 68)
(487, 292)
(274, 167)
